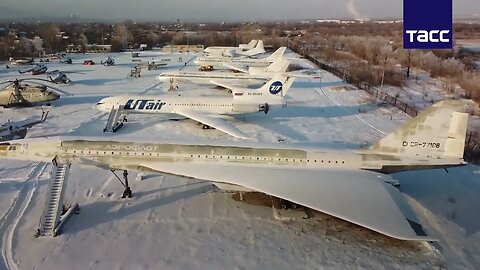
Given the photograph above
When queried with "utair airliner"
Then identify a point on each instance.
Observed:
(251, 76)
(251, 62)
(207, 110)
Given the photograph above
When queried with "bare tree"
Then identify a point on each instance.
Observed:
(51, 36)
(407, 59)
(385, 53)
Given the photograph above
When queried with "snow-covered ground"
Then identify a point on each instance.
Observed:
(422, 91)
(180, 223)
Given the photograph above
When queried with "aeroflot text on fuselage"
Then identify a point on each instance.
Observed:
(127, 147)
(424, 36)
(143, 104)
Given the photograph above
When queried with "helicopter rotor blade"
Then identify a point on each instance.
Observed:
(32, 80)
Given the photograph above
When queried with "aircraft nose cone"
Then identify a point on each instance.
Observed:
(103, 105)
(54, 96)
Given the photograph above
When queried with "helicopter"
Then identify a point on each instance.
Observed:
(16, 94)
(109, 62)
(59, 77)
(36, 70)
(67, 60)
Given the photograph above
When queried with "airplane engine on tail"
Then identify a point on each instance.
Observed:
(247, 108)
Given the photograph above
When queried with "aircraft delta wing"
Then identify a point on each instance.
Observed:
(350, 185)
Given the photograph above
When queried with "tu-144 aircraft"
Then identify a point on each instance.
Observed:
(351, 185)
(210, 110)
(251, 62)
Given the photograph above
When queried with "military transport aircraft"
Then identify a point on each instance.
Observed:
(350, 185)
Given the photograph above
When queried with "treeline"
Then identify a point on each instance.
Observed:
(381, 59)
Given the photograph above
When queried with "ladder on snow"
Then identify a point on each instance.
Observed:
(54, 200)
(113, 123)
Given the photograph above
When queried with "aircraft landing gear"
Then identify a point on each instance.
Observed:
(284, 204)
(207, 127)
(127, 193)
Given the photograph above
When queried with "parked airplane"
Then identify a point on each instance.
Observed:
(254, 75)
(350, 185)
(218, 50)
(207, 110)
(222, 61)
(259, 49)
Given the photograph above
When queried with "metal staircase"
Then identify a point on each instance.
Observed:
(54, 200)
(113, 123)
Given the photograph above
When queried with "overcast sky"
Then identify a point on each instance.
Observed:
(215, 10)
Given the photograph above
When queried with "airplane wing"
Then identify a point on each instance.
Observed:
(359, 197)
(235, 67)
(225, 84)
(217, 123)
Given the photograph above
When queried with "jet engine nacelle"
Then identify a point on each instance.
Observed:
(245, 108)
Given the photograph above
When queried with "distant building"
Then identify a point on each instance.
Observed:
(183, 48)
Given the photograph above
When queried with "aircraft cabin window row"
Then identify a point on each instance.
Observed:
(220, 157)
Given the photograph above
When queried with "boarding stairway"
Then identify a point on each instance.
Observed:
(54, 212)
(114, 123)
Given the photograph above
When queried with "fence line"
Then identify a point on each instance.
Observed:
(472, 142)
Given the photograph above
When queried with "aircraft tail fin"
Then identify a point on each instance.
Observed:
(438, 132)
(257, 50)
(277, 54)
(271, 92)
(279, 65)
(250, 45)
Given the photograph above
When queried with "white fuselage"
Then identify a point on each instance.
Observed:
(208, 77)
(135, 155)
(218, 51)
(219, 61)
(171, 104)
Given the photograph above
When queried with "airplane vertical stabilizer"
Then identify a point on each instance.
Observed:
(439, 131)
(278, 66)
(257, 50)
(277, 54)
(272, 92)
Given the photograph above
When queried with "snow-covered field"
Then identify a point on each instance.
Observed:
(180, 223)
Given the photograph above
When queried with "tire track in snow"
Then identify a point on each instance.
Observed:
(356, 115)
(15, 212)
